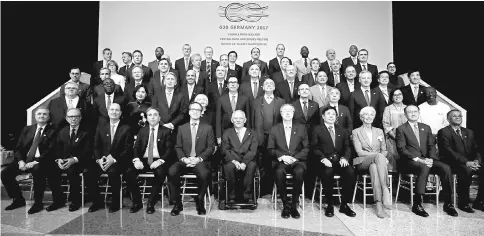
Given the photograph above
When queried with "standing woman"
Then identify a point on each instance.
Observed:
(118, 79)
(135, 112)
(393, 116)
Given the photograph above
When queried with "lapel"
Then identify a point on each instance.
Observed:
(199, 131)
(238, 104)
(464, 137)
(158, 137)
(64, 105)
(298, 108)
(116, 133)
(103, 102)
(410, 129)
(293, 137)
(163, 97)
(79, 135)
(31, 134)
(283, 134)
(375, 142)
(235, 137)
(246, 136)
(365, 138)
(373, 97)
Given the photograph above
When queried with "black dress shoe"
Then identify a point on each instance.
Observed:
(466, 208)
(176, 209)
(479, 205)
(295, 214)
(135, 208)
(286, 212)
(418, 210)
(329, 212)
(250, 201)
(37, 207)
(150, 209)
(450, 210)
(201, 208)
(231, 201)
(55, 206)
(345, 209)
(74, 206)
(17, 203)
(95, 206)
(113, 208)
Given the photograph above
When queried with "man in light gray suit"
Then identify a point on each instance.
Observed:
(319, 92)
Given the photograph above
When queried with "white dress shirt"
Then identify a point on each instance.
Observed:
(287, 132)
(72, 103)
(240, 133)
(169, 97)
(37, 152)
(434, 116)
(190, 90)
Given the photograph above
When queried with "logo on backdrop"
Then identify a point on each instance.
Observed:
(236, 12)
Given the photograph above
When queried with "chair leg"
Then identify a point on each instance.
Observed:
(302, 198)
(314, 189)
(106, 191)
(82, 190)
(184, 187)
(354, 192)
(31, 186)
(274, 196)
(364, 192)
(398, 187)
(320, 194)
(411, 190)
(454, 185)
(391, 188)
(121, 193)
(437, 189)
(162, 193)
(339, 192)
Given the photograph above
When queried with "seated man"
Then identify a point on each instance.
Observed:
(417, 156)
(239, 148)
(150, 157)
(459, 150)
(288, 145)
(331, 146)
(33, 154)
(195, 144)
(112, 151)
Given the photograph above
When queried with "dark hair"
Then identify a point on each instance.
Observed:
(253, 49)
(363, 50)
(411, 72)
(76, 68)
(197, 103)
(232, 52)
(450, 112)
(389, 63)
(160, 48)
(137, 88)
(128, 53)
(164, 59)
(135, 51)
(383, 72)
(327, 108)
(290, 62)
(405, 109)
(315, 59)
(392, 93)
(106, 49)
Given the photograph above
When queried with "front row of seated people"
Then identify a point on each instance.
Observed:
(46, 154)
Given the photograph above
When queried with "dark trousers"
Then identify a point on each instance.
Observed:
(201, 170)
(267, 166)
(298, 170)
(74, 182)
(92, 176)
(39, 172)
(422, 172)
(160, 174)
(347, 180)
(464, 178)
(247, 176)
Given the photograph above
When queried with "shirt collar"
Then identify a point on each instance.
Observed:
(364, 89)
(194, 122)
(71, 128)
(269, 96)
(287, 125)
(304, 100)
(115, 124)
(328, 125)
(156, 127)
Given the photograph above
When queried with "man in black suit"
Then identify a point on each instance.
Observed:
(138, 60)
(310, 78)
(128, 64)
(459, 150)
(209, 65)
(98, 89)
(414, 94)
(306, 111)
(194, 147)
(153, 65)
(287, 89)
(101, 103)
(157, 83)
(288, 145)
(384, 88)
(255, 54)
(189, 89)
(137, 79)
(364, 65)
(348, 86)
(343, 115)
(73, 154)
(201, 77)
(59, 106)
(226, 105)
(416, 147)
(331, 146)
(152, 152)
(364, 96)
(33, 154)
(84, 89)
(326, 66)
(112, 152)
(247, 76)
(183, 64)
(224, 62)
(234, 69)
(96, 67)
(352, 60)
(281, 75)
(275, 63)
(336, 76)
(253, 88)
(216, 88)
(239, 149)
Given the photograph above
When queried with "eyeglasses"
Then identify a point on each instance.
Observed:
(72, 117)
(397, 94)
(459, 116)
(233, 82)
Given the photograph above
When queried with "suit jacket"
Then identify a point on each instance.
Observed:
(46, 144)
(363, 147)
(408, 146)
(224, 113)
(180, 67)
(316, 95)
(347, 62)
(323, 146)
(58, 109)
(213, 94)
(156, 84)
(174, 114)
(129, 89)
(81, 148)
(343, 120)
(233, 149)
(274, 65)
(121, 147)
(237, 73)
(325, 67)
(309, 79)
(99, 90)
(345, 91)
(357, 102)
(196, 90)
(101, 112)
(213, 68)
(163, 143)
(313, 118)
(84, 91)
(408, 98)
(278, 77)
(331, 81)
(298, 145)
(204, 145)
(374, 73)
(153, 65)
(384, 101)
(301, 69)
(96, 67)
(246, 66)
(202, 80)
(456, 150)
(246, 90)
(258, 115)
(147, 74)
(283, 91)
(396, 81)
(246, 78)
(124, 72)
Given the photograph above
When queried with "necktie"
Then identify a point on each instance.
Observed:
(168, 99)
(209, 72)
(239, 135)
(415, 92)
(35, 145)
(287, 132)
(72, 137)
(354, 60)
(70, 104)
(331, 132)
(254, 90)
(367, 97)
(305, 110)
(364, 67)
(162, 81)
(233, 102)
(336, 79)
(291, 88)
(109, 102)
(220, 89)
(459, 133)
(112, 133)
(323, 92)
(151, 144)
(415, 130)
(305, 62)
(194, 135)
(186, 64)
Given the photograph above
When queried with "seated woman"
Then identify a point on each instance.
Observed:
(117, 78)
(135, 112)
(393, 116)
(371, 150)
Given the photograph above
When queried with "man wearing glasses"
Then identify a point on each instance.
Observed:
(84, 91)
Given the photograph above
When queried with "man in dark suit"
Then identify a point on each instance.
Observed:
(98, 89)
(416, 147)
(343, 115)
(336, 75)
(414, 94)
(255, 54)
(352, 60)
(201, 77)
(209, 65)
(216, 88)
(239, 149)
(226, 105)
(112, 151)
(189, 89)
(364, 96)
(331, 146)
(364, 65)
(307, 111)
(195, 144)
(101, 103)
(348, 86)
(137, 79)
(310, 78)
(152, 152)
(253, 88)
(138, 60)
(326, 66)
(287, 89)
(247, 76)
(128, 64)
(58, 107)
(384, 88)
(288, 145)
(234, 69)
(154, 64)
(84, 89)
(96, 67)
(73, 154)
(33, 154)
(183, 64)
(459, 150)
(281, 75)
(275, 63)
(157, 83)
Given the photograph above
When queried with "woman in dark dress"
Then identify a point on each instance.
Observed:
(135, 112)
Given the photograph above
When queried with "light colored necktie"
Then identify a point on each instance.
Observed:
(323, 92)
(239, 135)
(254, 91)
(305, 62)
(112, 133)
(291, 88)
(336, 79)
(168, 99)
(367, 97)
(415, 130)
(70, 103)
(220, 87)
(35, 145)
(287, 132)
(109, 102)
(233, 103)
(151, 144)
(354, 60)
(331, 132)
(186, 64)
(415, 92)
(194, 136)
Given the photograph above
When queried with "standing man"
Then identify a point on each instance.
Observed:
(158, 80)
(58, 106)
(209, 65)
(98, 89)
(128, 64)
(287, 89)
(129, 89)
(319, 92)
(154, 64)
(234, 69)
(326, 66)
(383, 87)
(216, 88)
(96, 67)
(183, 64)
(352, 60)
(201, 77)
(101, 103)
(303, 65)
(310, 77)
(335, 76)
(306, 111)
(255, 54)
(433, 113)
(253, 88)
(413, 93)
(189, 89)
(365, 96)
(138, 60)
(84, 89)
(275, 63)
(348, 86)
(343, 115)
(364, 65)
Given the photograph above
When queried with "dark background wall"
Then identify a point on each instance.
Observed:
(41, 41)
